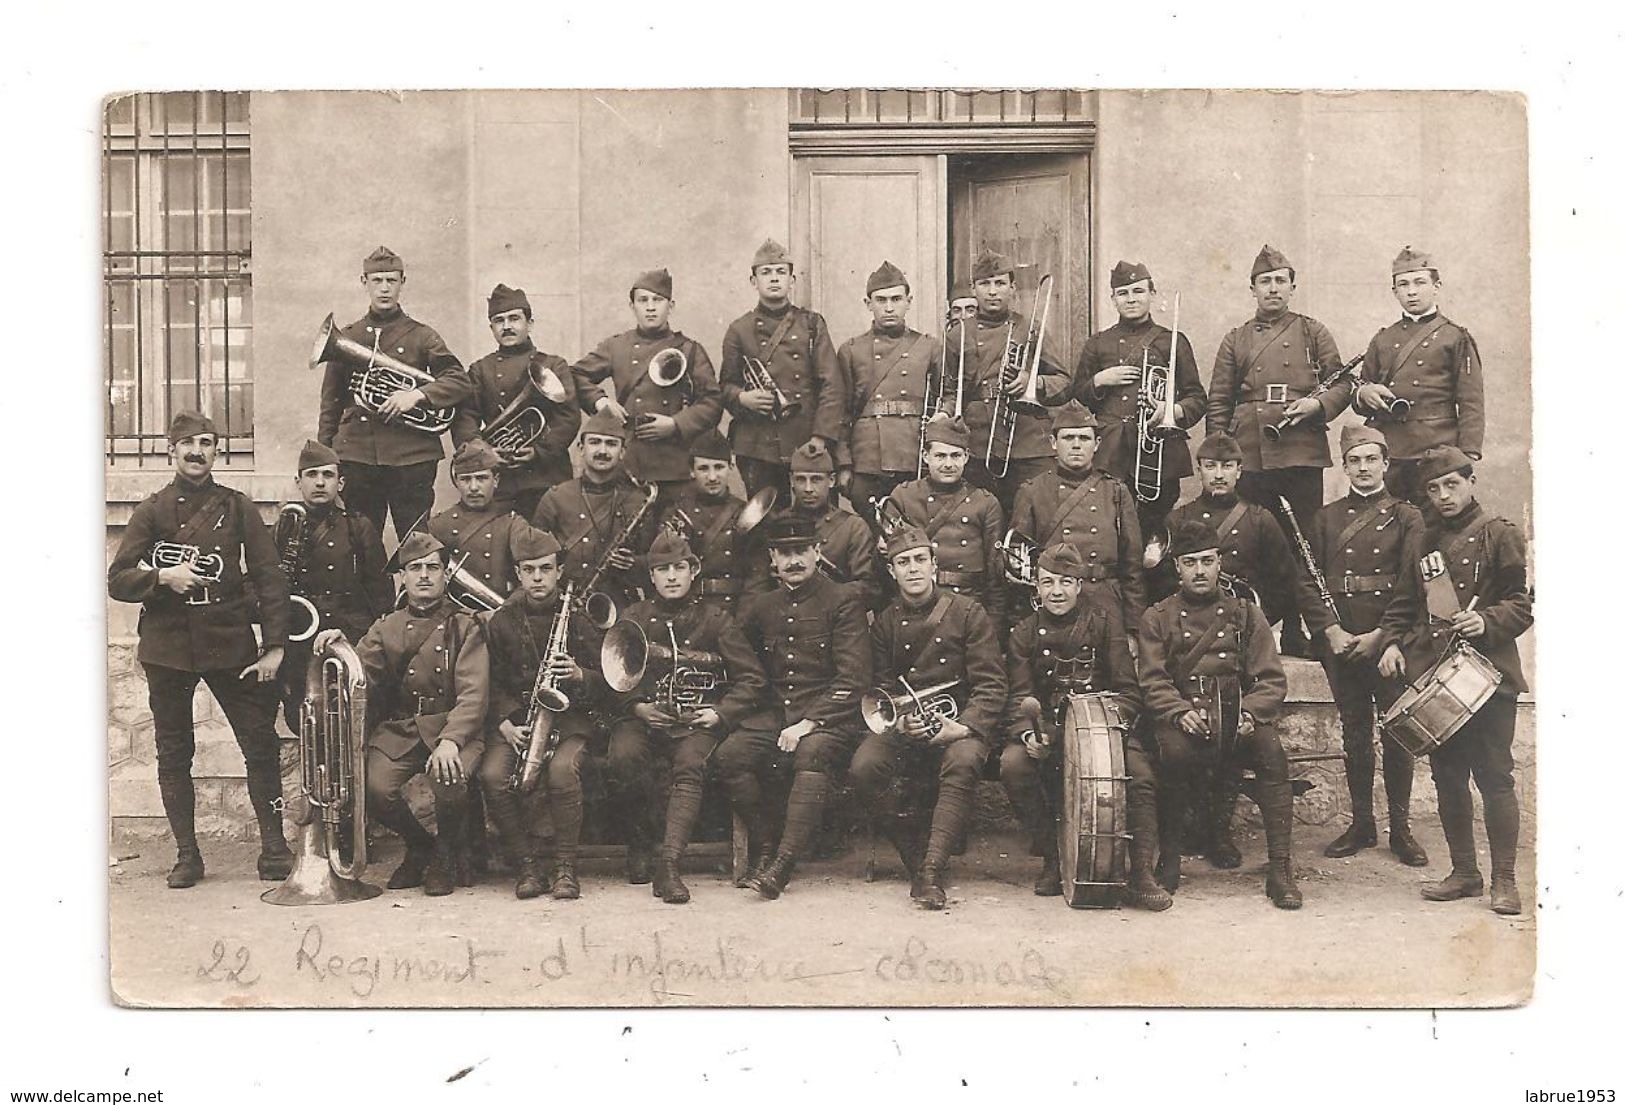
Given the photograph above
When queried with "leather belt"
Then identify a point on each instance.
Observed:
(961, 579)
(1348, 584)
(882, 408)
(1273, 393)
(720, 587)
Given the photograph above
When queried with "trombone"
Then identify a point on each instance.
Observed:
(1022, 357)
(935, 397)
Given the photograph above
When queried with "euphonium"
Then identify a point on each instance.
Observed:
(884, 710)
(378, 377)
(1018, 358)
(546, 700)
(332, 768)
(522, 421)
(758, 378)
(291, 533)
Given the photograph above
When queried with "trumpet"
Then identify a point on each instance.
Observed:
(1018, 358)
(547, 699)
(332, 766)
(689, 682)
(758, 378)
(522, 422)
(1156, 417)
(1274, 431)
(291, 533)
(379, 377)
(883, 710)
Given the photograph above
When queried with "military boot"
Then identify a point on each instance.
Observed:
(1504, 893)
(1221, 848)
(1402, 843)
(442, 876)
(928, 891)
(668, 882)
(1456, 819)
(1361, 834)
(774, 877)
(1048, 882)
(640, 865)
(1275, 803)
(529, 884)
(410, 872)
(1142, 891)
(566, 887)
(1282, 885)
(188, 868)
(1457, 884)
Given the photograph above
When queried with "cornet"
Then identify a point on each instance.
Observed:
(522, 422)
(883, 711)
(379, 377)
(758, 378)
(172, 554)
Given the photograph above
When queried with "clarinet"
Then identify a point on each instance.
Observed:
(1309, 560)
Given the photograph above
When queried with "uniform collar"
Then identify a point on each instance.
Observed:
(877, 331)
(1464, 519)
(659, 335)
(994, 320)
(425, 611)
(1073, 475)
(773, 312)
(181, 484)
(1376, 496)
(924, 604)
(590, 486)
(1145, 323)
(385, 318)
(524, 348)
(1265, 323)
(1429, 317)
(1200, 601)
(1227, 502)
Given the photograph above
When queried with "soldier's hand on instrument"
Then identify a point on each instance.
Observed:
(1392, 664)
(1018, 385)
(1192, 722)
(613, 407)
(1469, 623)
(1302, 410)
(265, 668)
(1340, 640)
(757, 401)
(1375, 396)
(912, 725)
(179, 578)
(952, 730)
(651, 714)
(655, 427)
(621, 559)
(444, 763)
(565, 669)
(1245, 725)
(1366, 645)
(517, 736)
(400, 403)
(1117, 375)
(326, 637)
(525, 455)
(706, 717)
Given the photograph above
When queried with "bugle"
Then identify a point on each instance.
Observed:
(522, 422)
(758, 378)
(883, 710)
(1274, 430)
(379, 376)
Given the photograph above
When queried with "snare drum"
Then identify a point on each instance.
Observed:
(1432, 709)
(1094, 802)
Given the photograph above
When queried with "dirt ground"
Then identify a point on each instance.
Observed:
(1363, 938)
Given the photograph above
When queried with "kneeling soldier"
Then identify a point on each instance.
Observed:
(1072, 646)
(1213, 686)
(427, 669)
(925, 638)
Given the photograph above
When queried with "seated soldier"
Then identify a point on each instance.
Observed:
(927, 637)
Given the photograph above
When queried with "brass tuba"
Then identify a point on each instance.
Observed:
(689, 680)
(883, 710)
(291, 533)
(522, 421)
(378, 377)
(332, 768)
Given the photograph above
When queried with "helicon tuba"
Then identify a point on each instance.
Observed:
(378, 377)
(332, 769)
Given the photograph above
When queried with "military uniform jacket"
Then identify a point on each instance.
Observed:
(811, 649)
(218, 632)
(848, 544)
(429, 679)
(803, 365)
(698, 624)
(1118, 408)
(518, 633)
(1086, 650)
(927, 645)
(357, 434)
(1486, 559)
(1443, 379)
(884, 379)
(486, 536)
(1095, 513)
(1362, 545)
(965, 525)
(726, 555)
(1238, 647)
(983, 362)
(1252, 546)
(342, 572)
(588, 518)
(694, 402)
(497, 378)
(1261, 369)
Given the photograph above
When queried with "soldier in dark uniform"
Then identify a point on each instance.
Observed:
(497, 378)
(845, 541)
(965, 523)
(480, 529)
(1362, 544)
(998, 323)
(1072, 646)
(794, 345)
(1213, 687)
(193, 629)
(1075, 503)
(707, 514)
(428, 684)
(926, 637)
(1263, 376)
(590, 514)
(663, 421)
(1486, 571)
(807, 642)
(389, 467)
(341, 573)
(1108, 383)
(884, 373)
(1432, 364)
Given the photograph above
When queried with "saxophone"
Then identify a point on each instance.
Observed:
(546, 700)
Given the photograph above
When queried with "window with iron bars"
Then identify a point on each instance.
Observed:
(176, 268)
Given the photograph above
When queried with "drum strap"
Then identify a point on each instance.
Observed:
(1470, 533)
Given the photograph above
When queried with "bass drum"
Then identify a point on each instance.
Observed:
(1094, 802)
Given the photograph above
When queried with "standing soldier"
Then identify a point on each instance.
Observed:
(846, 543)
(791, 345)
(199, 560)
(1071, 646)
(707, 514)
(665, 401)
(1266, 375)
(501, 376)
(1213, 687)
(389, 466)
(480, 529)
(807, 642)
(428, 678)
(1362, 544)
(884, 374)
(924, 638)
(1076, 504)
(1108, 383)
(996, 325)
(1431, 367)
(965, 523)
(1485, 569)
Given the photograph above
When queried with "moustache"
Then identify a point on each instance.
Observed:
(195, 458)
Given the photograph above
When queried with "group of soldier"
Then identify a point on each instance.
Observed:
(790, 622)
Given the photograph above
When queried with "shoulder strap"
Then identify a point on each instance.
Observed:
(1478, 526)
(1360, 522)
(1188, 662)
(1071, 503)
(934, 524)
(1232, 518)
(208, 516)
(1263, 347)
(779, 331)
(884, 369)
(1410, 347)
(724, 519)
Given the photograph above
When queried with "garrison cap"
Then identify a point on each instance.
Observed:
(770, 253)
(1063, 559)
(657, 281)
(316, 455)
(1217, 446)
(887, 275)
(712, 446)
(791, 530)
(604, 424)
(474, 455)
(945, 429)
(907, 539)
(504, 299)
(1441, 460)
(1192, 537)
(190, 424)
(1268, 260)
(1360, 434)
(670, 548)
(418, 544)
(1072, 416)
(960, 293)
(991, 263)
(527, 542)
(811, 457)
(1125, 273)
(1411, 261)
(383, 259)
